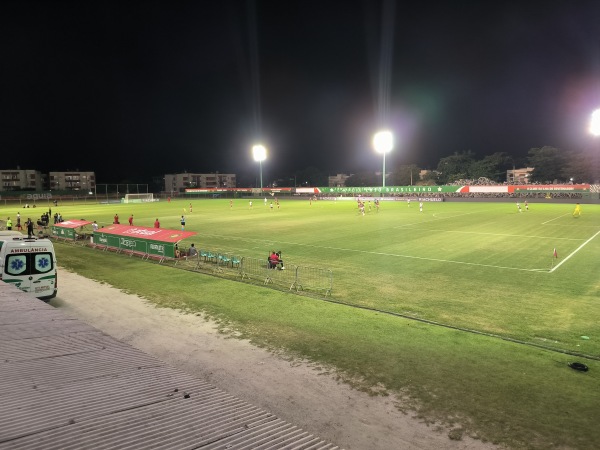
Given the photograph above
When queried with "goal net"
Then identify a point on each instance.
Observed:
(139, 198)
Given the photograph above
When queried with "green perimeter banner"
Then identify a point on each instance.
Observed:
(150, 241)
(66, 229)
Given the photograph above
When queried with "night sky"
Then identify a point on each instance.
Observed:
(137, 89)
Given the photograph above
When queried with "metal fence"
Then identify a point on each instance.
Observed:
(314, 278)
(259, 269)
(222, 263)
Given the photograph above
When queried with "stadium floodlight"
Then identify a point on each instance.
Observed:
(383, 142)
(259, 152)
(595, 123)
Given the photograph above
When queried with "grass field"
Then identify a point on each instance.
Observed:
(498, 317)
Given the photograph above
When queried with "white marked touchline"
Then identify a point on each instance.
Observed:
(396, 255)
(497, 234)
(438, 218)
(576, 250)
(547, 221)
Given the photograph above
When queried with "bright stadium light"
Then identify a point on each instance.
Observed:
(260, 154)
(383, 142)
(595, 123)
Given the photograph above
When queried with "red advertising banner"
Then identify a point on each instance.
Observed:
(151, 234)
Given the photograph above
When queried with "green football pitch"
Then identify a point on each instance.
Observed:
(479, 266)
(464, 307)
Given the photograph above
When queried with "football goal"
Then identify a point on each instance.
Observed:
(139, 198)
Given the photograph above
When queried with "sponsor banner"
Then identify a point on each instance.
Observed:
(215, 190)
(550, 188)
(151, 241)
(152, 234)
(72, 223)
(311, 190)
(62, 232)
(488, 189)
(252, 190)
(391, 190)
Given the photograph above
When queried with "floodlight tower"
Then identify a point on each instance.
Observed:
(595, 131)
(383, 142)
(260, 154)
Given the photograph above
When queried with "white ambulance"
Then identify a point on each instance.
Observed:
(29, 264)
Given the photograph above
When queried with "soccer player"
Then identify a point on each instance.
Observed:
(156, 223)
(408, 202)
(131, 220)
(190, 207)
(230, 204)
(519, 207)
(421, 206)
(577, 211)
(526, 206)
(182, 221)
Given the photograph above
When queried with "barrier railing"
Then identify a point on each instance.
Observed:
(259, 269)
(293, 277)
(314, 278)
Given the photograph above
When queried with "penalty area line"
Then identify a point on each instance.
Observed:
(575, 251)
(548, 221)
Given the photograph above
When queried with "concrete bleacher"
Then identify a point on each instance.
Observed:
(67, 385)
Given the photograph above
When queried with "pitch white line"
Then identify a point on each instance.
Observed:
(548, 221)
(576, 250)
(388, 254)
(497, 234)
(436, 219)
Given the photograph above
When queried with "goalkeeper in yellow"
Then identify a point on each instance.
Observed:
(577, 211)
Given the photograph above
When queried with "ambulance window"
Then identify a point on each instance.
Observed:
(16, 265)
(42, 262)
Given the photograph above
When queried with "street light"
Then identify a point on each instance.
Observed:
(595, 130)
(383, 142)
(260, 154)
(595, 123)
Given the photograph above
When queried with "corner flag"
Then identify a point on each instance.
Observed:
(555, 255)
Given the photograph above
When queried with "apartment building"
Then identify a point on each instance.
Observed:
(21, 180)
(178, 182)
(72, 181)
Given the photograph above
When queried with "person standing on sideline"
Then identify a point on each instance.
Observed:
(8, 224)
(421, 206)
(156, 223)
(30, 232)
(131, 220)
(182, 223)
(95, 226)
(116, 219)
(19, 227)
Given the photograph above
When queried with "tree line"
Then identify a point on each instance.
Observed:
(550, 165)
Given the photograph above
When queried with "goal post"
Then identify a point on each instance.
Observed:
(139, 198)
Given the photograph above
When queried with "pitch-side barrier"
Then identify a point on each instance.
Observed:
(293, 277)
